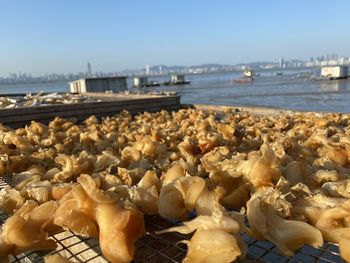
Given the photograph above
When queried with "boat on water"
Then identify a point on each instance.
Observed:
(152, 84)
(248, 73)
(170, 83)
(243, 80)
(248, 77)
(142, 82)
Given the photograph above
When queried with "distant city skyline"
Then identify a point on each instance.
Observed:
(154, 70)
(63, 36)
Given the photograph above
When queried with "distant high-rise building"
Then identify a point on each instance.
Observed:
(147, 69)
(160, 69)
(312, 59)
(89, 69)
(281, 62)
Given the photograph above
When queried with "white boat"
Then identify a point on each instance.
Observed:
(249, 73)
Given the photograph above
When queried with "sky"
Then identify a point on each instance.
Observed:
(61, 36)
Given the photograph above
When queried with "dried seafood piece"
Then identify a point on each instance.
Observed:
(263, 213)
(337, 154)
(208, 141)
(208, 201)
(67, 168)
(96, 194)
(105, 160)
(173, 173)
(145, 194)
(108, 181)
(56, 258)
(33, 174)
(331, 216)
(338, 189)
(182, 193)
(213, 246)
(238, 198)
(261, 170)
(61, 189)
(227, 131)
(70, 215)
(322, 176)
(188, 150)
(40, 191)
(10, 200)
(119, 225)
(297, 172)
(218, 219)
(215, 228)
(222, 168)
(19, 142)
(27, 229)
(150, 149)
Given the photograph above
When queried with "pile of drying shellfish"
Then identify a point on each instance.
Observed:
(288, 174)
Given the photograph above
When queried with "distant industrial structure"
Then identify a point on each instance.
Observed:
(89, 69)
(281, 62)
(114, 84)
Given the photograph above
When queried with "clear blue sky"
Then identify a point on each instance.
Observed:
(61, 36)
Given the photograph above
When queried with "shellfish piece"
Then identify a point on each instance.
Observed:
(56, 258)
(145, 194)
(10, 200)
(40, 191)
(174, 172)
(238, 198)
(96, 194)
(61, 189)
(337, 155)
(26, 229)
(67, 168)
(182, 193)
(212, 246)
(338, 189)
(118, 224)
(262, 170)
(266, 223)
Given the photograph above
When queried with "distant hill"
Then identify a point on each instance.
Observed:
(209, 67)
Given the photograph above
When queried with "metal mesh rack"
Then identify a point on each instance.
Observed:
(166, 247)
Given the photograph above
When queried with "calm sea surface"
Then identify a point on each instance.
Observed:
(289, 91)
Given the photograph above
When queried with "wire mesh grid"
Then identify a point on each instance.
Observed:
(166, 247)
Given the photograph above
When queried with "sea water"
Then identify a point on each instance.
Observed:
(288, 91)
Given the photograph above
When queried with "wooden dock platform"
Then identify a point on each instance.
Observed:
(108, 105)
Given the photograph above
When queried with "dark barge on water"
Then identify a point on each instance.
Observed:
(141, 82)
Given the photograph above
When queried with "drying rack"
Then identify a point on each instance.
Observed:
(153, 248)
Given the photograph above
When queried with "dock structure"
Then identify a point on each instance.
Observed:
(114, 84)
(105, 105)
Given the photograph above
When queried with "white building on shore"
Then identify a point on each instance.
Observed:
(114, 84)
